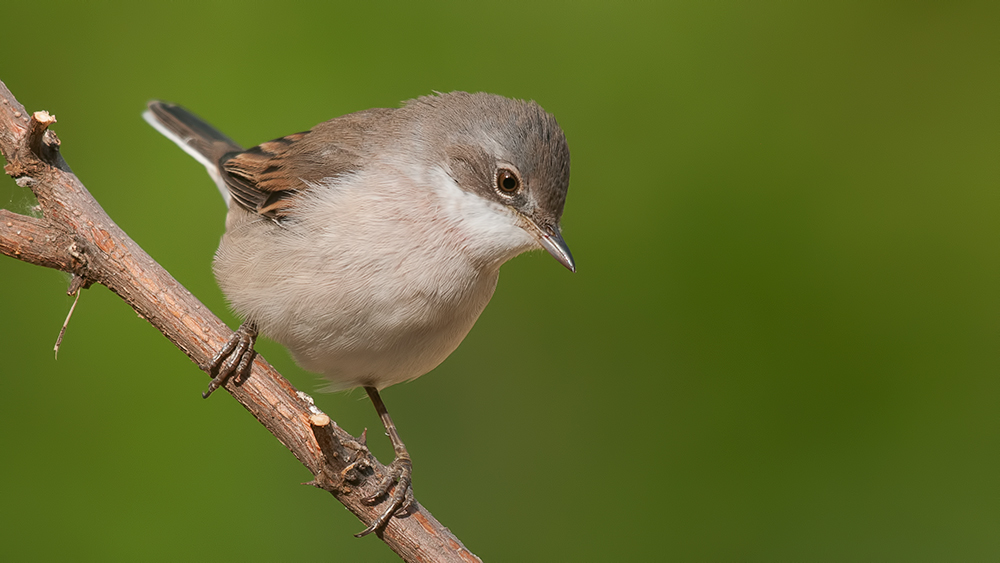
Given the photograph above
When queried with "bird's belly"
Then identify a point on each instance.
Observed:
(377, 332)
(391, 344)
(385, 346)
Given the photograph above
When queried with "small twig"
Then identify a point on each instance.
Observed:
(69, 315)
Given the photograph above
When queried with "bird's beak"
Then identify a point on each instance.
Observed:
(552, 241)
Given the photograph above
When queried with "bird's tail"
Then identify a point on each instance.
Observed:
(196, 137)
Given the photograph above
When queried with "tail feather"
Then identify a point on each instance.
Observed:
(196, 137)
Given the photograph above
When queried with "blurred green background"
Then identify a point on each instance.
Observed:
(781, 345)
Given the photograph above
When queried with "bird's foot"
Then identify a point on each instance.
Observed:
(235, 358)
(398, 475)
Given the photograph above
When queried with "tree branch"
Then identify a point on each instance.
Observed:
(75, 235)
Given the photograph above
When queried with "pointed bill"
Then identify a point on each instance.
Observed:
(557, 247)
(552, 241)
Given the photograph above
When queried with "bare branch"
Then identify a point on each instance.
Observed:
(75, 235)
(38, 241)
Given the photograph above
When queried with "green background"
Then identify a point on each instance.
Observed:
(781, 343)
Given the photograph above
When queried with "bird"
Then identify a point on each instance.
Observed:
(370, 244)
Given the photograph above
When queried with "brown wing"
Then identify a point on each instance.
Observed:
(267, 178)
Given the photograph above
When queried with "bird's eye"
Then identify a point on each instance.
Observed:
(507, 182)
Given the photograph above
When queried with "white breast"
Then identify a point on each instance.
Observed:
(377, 279)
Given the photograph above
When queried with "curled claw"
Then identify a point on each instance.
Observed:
(235, 358)
(399, 474)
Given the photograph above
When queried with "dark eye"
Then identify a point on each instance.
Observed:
(507, 181)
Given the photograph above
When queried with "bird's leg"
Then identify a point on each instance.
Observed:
(399, 472)
(235, 358)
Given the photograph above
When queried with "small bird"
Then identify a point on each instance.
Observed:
(369, 245)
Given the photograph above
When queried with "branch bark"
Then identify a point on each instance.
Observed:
(75, 235)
